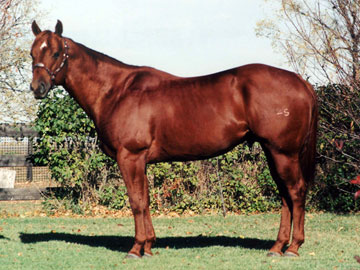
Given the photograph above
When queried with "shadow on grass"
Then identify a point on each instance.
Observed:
(3, 237)
(124, 243)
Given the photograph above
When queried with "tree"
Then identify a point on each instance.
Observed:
(320, 38)
(16, 102)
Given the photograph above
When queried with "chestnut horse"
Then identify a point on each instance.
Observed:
(143, 115)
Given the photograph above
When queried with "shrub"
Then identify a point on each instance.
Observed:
(67, 143)
(338, 148)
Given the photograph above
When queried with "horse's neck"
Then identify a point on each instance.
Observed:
(90, 76)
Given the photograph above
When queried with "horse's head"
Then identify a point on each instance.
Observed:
(49, 53)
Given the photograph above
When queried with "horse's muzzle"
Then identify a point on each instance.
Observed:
(40, 89)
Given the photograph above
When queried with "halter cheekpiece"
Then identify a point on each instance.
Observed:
(54, 73)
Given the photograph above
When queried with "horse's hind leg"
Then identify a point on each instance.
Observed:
(287, 174)
(283, 237)
(297, 193)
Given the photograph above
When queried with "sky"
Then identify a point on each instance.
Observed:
(183, 37)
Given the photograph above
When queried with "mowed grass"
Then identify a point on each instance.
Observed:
(200, 242)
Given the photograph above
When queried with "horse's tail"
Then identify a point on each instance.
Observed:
(308, 152)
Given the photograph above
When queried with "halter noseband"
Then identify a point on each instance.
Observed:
(51, 73)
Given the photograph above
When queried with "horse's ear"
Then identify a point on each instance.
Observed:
(35, 28)
(59, 28)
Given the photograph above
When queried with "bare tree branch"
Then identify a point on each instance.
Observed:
(319, 36)
(15, 40)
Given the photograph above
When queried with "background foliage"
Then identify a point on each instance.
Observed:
(240, 180)
(16, 101)
(338, 147)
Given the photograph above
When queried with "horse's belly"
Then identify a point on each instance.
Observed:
(198, 141)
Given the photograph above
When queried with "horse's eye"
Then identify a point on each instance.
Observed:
(56, 55)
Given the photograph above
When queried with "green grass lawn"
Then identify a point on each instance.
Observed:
(201, 242)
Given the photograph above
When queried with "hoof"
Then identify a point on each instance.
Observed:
(147, 255)
(274, 254)
(291, 254)
(132, 256)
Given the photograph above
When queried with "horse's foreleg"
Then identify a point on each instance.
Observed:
(132, 167)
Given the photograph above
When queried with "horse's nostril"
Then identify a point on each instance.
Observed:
(31, 87)
(42, 87)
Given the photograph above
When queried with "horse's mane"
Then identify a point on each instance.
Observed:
(101, 57)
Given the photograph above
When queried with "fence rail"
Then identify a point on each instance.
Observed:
(14, 161)
(17, 131)
(23, 194)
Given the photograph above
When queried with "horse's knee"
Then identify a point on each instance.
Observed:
(137, 209)
(138, 204)
(297, 193)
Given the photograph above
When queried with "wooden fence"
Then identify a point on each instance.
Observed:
(16, 147)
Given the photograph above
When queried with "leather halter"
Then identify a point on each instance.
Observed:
(54, 73)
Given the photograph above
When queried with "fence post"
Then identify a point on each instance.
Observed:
(29, 163)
